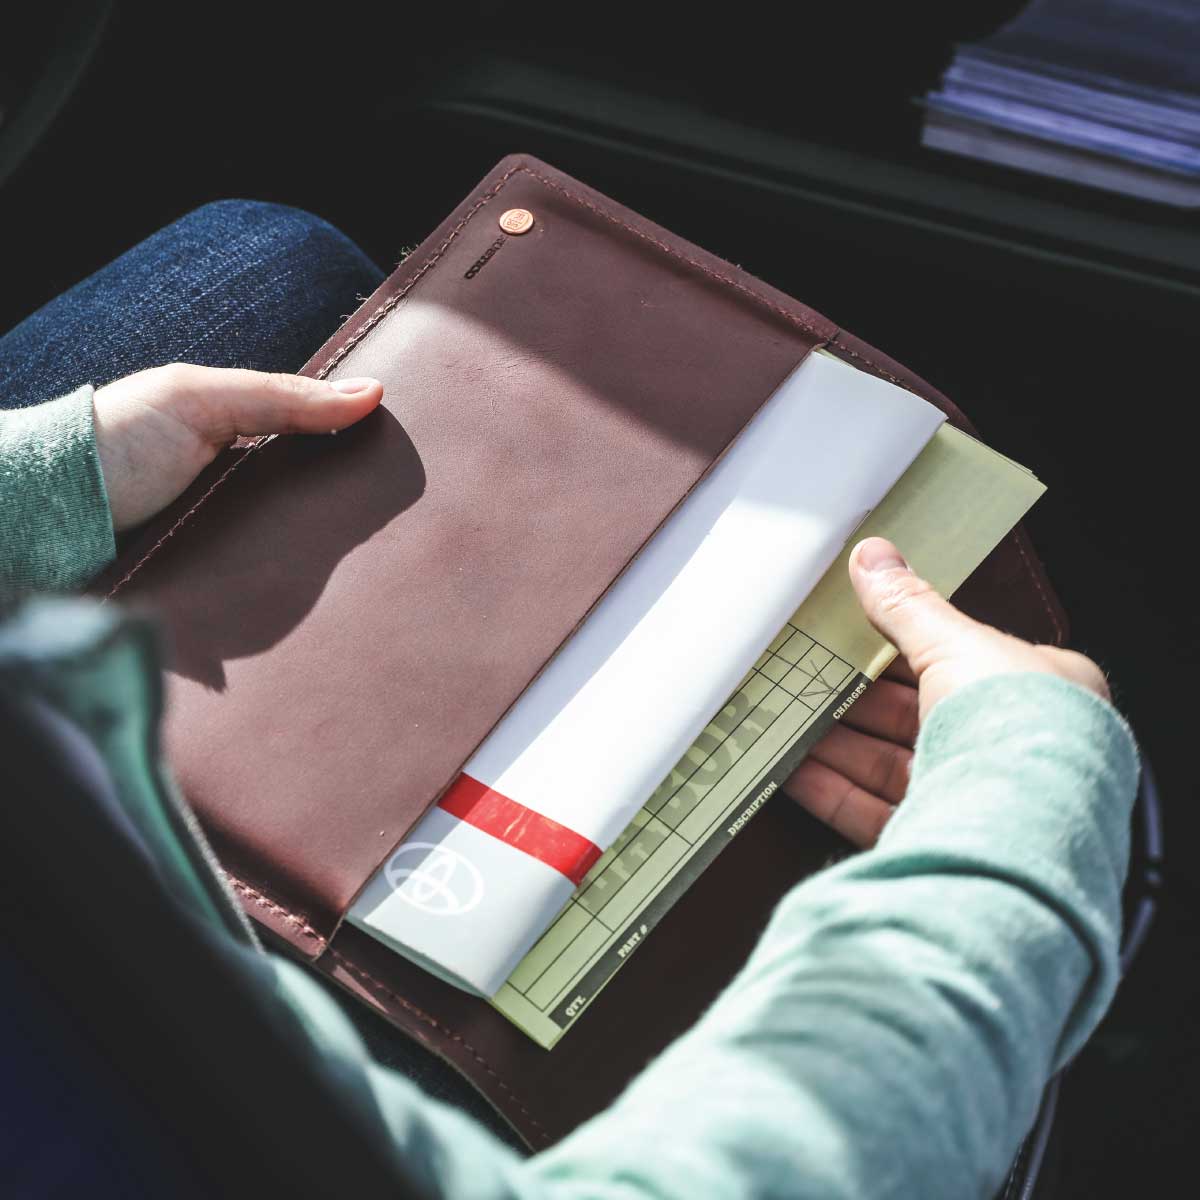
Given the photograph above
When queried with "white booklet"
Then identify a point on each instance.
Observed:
(487, 869)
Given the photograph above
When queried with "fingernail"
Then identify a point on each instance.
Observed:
(878, 554)
(351, 387)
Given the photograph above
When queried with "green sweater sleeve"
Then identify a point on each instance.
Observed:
(893, 1030)
(55, 527)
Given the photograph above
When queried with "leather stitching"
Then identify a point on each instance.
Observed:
(787, 314)
(256, 897)
(869, 361)
(359, 334)
(1033, 573)
(1041, 591)
(421, 1015)
(387, 306)
(262, 901)
(116, 587)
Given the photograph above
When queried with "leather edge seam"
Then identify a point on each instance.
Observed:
(358, 335)
(388, 305)
(793, 318)
(369, 979)
(836, 341)
(261, 900)
(1030, 568)
(170, 533)
(391, 302)
(1036, 576)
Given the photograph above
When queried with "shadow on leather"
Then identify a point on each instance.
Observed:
(310, 491)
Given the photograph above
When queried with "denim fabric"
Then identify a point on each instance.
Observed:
(234, 284)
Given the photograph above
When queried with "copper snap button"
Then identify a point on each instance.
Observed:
(516, 220)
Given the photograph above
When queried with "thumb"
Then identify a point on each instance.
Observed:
(902, 606)
(219, 403)
(157, 429)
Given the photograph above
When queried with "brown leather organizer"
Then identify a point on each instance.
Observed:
(351, 615)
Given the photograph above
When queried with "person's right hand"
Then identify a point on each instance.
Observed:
(944, 650)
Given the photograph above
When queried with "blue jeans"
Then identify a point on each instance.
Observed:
(233, 284)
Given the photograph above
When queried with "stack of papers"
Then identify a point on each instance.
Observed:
(685, 698)
(590, 740)
(949, 509)
(1105, 94)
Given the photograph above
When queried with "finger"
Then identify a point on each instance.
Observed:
(886, 710)
(878, 767)
(220, 404)
(899, 670)
(842, 805)
(901, 605)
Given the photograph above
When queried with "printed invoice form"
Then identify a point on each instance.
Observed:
(952, 506)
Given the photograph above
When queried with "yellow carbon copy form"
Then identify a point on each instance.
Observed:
(956, 501)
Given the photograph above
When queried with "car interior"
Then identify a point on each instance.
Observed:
(786, 139)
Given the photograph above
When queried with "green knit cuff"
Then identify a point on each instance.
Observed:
(1036, 712)
(55, 526)
(1025, 741)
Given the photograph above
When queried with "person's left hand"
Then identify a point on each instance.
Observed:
(158, 429)
(856, 775)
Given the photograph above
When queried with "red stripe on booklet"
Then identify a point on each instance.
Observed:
(568, 852)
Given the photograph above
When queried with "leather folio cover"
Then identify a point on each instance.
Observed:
(351, 615)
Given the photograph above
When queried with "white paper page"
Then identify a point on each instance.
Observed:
(624, 698)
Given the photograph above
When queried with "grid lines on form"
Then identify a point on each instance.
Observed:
(793, 679)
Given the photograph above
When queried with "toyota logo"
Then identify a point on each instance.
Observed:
(435, 880)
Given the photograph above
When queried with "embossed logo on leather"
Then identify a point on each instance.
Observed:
(517, 221)
(486, 257)
(440, 882)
